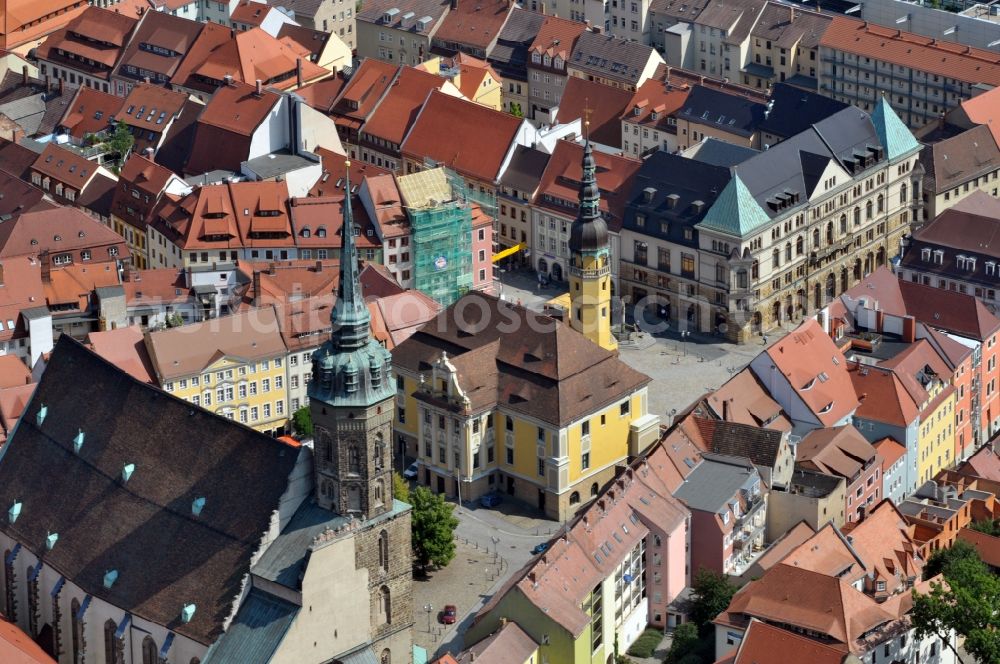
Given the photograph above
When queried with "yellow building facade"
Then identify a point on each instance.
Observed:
(235, 366)
(937, 430)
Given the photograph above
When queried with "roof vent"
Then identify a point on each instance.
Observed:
(187, 613)
(110, 577)
(40, 416)
(78, 441)
(197, 505)
(50, 541)
(127, 471)
(14, 511)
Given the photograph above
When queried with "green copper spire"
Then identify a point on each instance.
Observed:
(350, 317)
(589, 232)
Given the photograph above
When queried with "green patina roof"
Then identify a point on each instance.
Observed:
(895, 137)
(735, 212)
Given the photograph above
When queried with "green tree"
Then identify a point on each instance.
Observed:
(433, 528)
(515, 110)
(400, 488)
(988, 526)
(121, 141)
(943, 559)
(685, 642)
(968, 602)
(711, 594)
(302, 421)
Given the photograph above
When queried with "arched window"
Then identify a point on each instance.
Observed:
(379, 450)
(383, 550)
(149, 653)
(829, 232)
(788, 251)
(815, 238)
(112, 654)
(799, 246)
(76, 632)
(776, 258)
(574, 498)
(594, 489)
(386, 657)
(902, 193)
(843, 224)
(869, 210)
(378, 492)
(857, 216)
(385, 605)
(353, 459)
(881, 203)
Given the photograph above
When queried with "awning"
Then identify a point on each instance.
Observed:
(123, 625)
(83, 607)
(169, 641)
(510, 251)
(560, 301)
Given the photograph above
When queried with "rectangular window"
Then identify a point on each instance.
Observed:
(510, 456)
(624, 408)
(585, 461)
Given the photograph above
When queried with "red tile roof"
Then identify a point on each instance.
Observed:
(254, 54)
(890, 451)
(556, 37)
(22, 278)
(96, 35)
(475, 23)
(363, 91)
(90, 112)
(65, 166)
(604, 103)
(211, 37)
(984, 109)
(987, 546)
(816, 370)
(935, 56)
(467, 137)
(402, 102)
(152, 107)
(55, 230)
(835, 451)
(16, 647)
(26, 21)
(250, 12)
(882, 396)
(13, 371)
(321, 95)
(654, 96)
(125, 348)
(766, 644)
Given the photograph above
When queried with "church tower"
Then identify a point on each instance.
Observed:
(590, 262)
(351, 399)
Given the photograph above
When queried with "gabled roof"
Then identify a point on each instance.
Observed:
(467, 137)
(561, 182)
(604, 104)
(90, 111)
(556, 37)
(735, 212)
(65, 166)
(835, 451)
(173, 35)
(654, 104)
(743, 399)
(612, 57)
(958, 159)
(984, 109)
(766, 644)
(26, 21)
(548, 370)
(375, 12)
(892, 133)
(816, 370)
(793, 109)
(16, 647)
(164, 555)
(98, 35)
(57, 229)
(398, 109)
(124, 347)
(883, 398)
(722, 110)
(507, 645)
(475, 24)
(985, 463)
(761, 446)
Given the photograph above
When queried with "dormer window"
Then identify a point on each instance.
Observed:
(880, 586)
(306, 232)
(637, 111)
(321, 231)
(654, 115)
(548, 61)
(960, 261)
(970, 264)
(558, 62)
(925, 254)
(991, 268)
(536, 58)
(939, 256)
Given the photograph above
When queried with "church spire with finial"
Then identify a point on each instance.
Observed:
(350, 317)
(589, 232)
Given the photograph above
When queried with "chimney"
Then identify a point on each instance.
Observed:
(260, 88)
(149, 152)
(298, 72)
(256, 286)
(909, 329)
(24, 75)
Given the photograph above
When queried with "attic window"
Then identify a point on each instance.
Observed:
(939, 256)
(246, 212)
(823, 377)
(826, 409)
(925, 254)
(98, 115)
(321, 231)
(306, 232)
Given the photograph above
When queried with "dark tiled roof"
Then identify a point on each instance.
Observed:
(792, 110)
(374, 10)
(730, 113)
(956, 160)
(160, 29)
(611, 57)
(759, 445)
(682, 10)
(525, 169)
(16, 159)
(165, 556)
(545, 369)
(510, 54)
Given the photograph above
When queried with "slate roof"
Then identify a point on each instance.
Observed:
(547, 370)
(716, 481)
(510, 54)
(525, 169)
(683, 10)
(256, 631)
(958, 159)
(759, 445)
(611, 57)
(734, 114)
(372, 12)
(165, 556)
(717, 152)
(793, 110)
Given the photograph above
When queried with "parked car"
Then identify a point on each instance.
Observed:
(449, 615)
(540, 548)
(411, 471)
(490, 500)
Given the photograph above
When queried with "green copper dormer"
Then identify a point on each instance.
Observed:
(589, 232)
(350, 317)
(351, 368)
(892, 133)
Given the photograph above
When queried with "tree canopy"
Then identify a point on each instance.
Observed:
(967, 602)
(433, 528)
(711, 594)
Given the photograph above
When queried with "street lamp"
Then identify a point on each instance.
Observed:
(428, 608)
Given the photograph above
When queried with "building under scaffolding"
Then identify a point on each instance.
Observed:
(441, 230)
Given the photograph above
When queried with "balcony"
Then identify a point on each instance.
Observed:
(589, 273)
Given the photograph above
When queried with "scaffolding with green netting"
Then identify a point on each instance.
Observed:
(441, 229)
